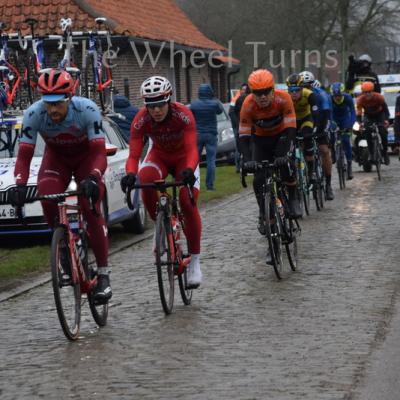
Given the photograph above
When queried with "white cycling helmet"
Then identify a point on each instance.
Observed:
(365, 57)
(156, 89)
(316, 84)
(357, 90)
(308, 77)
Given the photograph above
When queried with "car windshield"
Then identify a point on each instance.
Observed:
(390, 98)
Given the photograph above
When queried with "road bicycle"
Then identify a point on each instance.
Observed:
(34, 58)
(97, 76)
(302, 175)
(341, 161)
(68, 62)
(10, 78)
(73, 278)
(280, 230)
(171, 258)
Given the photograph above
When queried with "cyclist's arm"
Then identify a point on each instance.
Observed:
(320, 117)
(287, 138)
(359, 109)
(245, 129)
(97, 142)
(386, 110)
(136, 143)
(27, 143)
(350, 105)
(190, 142)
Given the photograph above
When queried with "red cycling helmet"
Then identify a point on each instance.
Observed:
(55, 84)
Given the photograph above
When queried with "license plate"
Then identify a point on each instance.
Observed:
(7, 212)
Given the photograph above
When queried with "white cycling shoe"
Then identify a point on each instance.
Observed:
(194, 276)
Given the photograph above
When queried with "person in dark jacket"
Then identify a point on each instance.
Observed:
(360, 71)
(205, 111)
(123, 106)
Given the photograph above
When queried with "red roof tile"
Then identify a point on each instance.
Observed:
(149, 19)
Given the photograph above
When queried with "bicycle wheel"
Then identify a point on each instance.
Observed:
(305, 188)
(377, 158)
(99, 311)
(89, 79)
(341, 168)
(186, 294)
(293, 229)
(273, 235)
(67, 296)
(31, 77)
(164, 262)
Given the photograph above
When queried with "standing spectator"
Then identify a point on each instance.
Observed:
(234, 114)
(123, 106)
(205, 111)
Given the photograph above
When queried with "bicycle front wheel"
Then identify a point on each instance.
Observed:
(273, 235)
(67, 294)
(293, 230)
(164, 262)
(377, 158)
(341, 169)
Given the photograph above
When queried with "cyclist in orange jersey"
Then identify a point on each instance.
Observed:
(267, 131)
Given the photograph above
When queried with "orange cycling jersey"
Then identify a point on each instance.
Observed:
(372, 104)
(268, 121)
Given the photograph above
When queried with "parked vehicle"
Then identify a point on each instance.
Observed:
(114, 205)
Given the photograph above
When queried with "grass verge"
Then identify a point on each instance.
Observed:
(31, 255)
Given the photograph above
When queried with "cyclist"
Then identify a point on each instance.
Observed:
(268, 120)
(372, 107)
(322, 120)
(173, 149)
(344, 115)
(75, 145)
(306, 108)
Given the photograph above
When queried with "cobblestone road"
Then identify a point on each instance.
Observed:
(246, 335)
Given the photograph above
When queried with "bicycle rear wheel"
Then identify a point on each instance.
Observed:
(164, 262)
(67, 295)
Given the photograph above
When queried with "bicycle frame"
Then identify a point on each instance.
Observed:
(95, 49)
(9, 74)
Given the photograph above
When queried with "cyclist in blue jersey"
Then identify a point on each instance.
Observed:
(75, 146)
(344, 115)
(322, 127)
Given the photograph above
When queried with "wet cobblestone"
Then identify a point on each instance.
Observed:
(246, 335)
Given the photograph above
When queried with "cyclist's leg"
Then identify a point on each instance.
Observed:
(346, 145)
(153, 168)
(326, 159)
(263, 149)
(192, 227)
(97, 232)
(54, 177)
(284, 146)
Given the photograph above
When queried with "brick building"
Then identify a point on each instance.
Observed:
(138, 27)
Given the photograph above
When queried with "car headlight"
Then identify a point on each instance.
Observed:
(227, 134)
(73, 186)
(356, 126)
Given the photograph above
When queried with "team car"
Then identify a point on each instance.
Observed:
(114, 203)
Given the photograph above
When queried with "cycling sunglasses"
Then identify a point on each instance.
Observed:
(159, 104)
(294, 89)
(262, 92)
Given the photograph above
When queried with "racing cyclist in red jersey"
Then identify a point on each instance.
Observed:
(75, 146)
(173, 150)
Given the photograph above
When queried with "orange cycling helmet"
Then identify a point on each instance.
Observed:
(261, 79)
(367, 87)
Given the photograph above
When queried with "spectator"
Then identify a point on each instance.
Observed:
(123, 106)
(205, 111)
